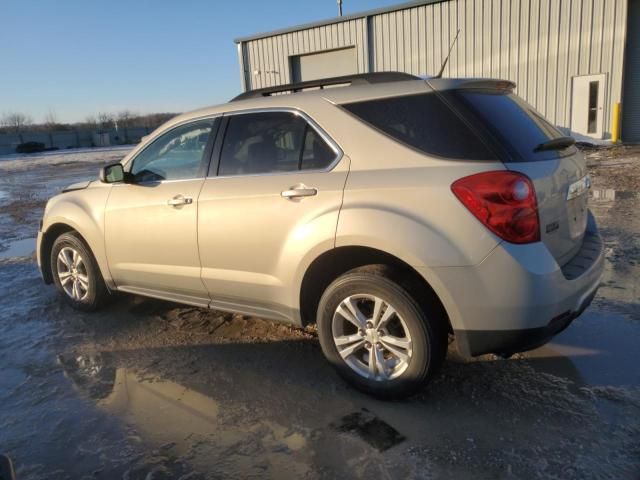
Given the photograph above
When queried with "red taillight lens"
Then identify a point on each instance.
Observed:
(504, 201)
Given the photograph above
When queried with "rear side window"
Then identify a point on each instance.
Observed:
(272, 142)
(512, 122)
(423, 122)
(316, 154)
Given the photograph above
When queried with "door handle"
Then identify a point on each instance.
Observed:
(299, 191)
(179, 200)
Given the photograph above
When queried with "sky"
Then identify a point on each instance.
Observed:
(78, 57)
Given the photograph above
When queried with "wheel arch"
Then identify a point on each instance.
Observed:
(49, 236)
(46, 245)
(332, 263)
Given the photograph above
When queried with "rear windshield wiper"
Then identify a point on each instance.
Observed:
(555, 144)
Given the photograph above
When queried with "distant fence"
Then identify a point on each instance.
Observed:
(73, 138)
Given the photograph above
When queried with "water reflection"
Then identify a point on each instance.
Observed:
(188, 425)
(161, 411)
(617, 214)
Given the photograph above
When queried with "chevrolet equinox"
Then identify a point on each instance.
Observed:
(390, 210)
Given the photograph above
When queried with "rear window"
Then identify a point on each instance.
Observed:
(425, 123)
(515, 125)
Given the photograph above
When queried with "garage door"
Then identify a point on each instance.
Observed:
(333, 63)
(631, 93)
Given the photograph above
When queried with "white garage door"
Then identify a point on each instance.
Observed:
(333, 63)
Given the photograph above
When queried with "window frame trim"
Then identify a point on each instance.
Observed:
(214, 164)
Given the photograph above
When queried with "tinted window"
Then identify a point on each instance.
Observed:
(271, 142)
(423, 122)
(515, 124)
(316, 154)
(176, 155)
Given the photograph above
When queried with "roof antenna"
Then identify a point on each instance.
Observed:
(446, 60)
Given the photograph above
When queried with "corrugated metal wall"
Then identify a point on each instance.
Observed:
(267, 59)
(539, 44)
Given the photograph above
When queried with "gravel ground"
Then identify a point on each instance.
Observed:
(152, 390)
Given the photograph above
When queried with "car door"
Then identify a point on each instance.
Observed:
(275, 199)
(151, 221)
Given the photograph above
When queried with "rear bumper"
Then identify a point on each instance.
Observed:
(508, 342)
(518, 298)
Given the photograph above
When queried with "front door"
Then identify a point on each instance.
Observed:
(276, 198)
(151, 223)
(587, 106)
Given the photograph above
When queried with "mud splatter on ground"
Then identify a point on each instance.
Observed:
(152, 390)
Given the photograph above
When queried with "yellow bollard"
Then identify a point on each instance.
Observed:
(615, 123)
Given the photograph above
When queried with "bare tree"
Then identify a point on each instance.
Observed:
(50, 124)
(50, 120)
(90, 122)
(125, 119)
(105, 120)
(16, 121)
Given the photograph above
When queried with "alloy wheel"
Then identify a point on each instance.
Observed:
(371, 337)
(72, 273)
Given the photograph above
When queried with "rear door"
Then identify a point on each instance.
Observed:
(559, 174)
(272, 196)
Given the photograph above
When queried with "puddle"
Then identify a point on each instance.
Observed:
(19, 248)
(189, 426)
(598, 349)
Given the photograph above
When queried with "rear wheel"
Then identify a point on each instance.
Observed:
(377, 336)
(76, 273)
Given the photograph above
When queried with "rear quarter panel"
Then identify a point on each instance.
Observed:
(400, 201)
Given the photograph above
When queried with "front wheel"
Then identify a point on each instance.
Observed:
(76, 273)
(377, 336)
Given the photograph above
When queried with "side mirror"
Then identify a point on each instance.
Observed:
(113, 173)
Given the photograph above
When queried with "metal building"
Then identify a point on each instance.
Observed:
(571, 59)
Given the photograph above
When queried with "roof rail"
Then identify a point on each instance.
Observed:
(359, 79)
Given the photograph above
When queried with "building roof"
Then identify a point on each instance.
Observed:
(344, 18)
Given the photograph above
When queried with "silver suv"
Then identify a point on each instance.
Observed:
(390, 210)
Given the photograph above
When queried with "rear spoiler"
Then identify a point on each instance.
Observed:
(471, 83)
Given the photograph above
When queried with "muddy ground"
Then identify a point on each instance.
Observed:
(152, 390)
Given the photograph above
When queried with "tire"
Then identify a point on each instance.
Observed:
(81, 284)
(393, 376)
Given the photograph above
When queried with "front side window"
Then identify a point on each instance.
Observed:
(272, 142)
(176, 155)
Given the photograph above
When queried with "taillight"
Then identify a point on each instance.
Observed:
(504, 201)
